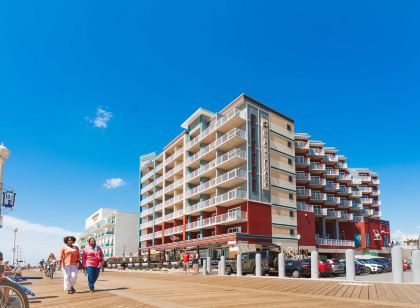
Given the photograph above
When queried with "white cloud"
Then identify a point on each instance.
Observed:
(114, 183)
(102, 118)
(399, 235)
(35, 241)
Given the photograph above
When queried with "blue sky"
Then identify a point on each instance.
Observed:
(347, 73)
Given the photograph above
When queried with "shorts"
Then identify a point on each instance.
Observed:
(195, 261)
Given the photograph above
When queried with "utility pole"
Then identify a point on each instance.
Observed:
(4, 154)
(14, 245)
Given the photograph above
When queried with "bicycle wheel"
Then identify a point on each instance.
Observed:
(11, 296)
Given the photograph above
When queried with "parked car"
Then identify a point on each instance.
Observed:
(358, 268)
(297, 269)
(268, 262)
(325, 268)
(370, 266)
(386, 263)
(337, 267)
(406, 266)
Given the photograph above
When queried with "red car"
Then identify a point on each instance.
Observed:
(406, 266)
(325, 268)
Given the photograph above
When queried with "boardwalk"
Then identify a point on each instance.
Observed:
(126, 289)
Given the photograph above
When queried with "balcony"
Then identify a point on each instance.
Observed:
(158, 220)
(344, 190)
(302, 162)
(317, 168)
(173, 215)
(146, 237)
(365, 178)
(146, 224)
(332, 201)
(345, 204)
(356, 206)
(147, 175)
(227, 199)
(320, 212)
(331, 159)
(376, 192)
(377, 214)
(331, 187)
(346, 216)
(174, 156)
(146, 200)
(341, 165)
(147, 187)
(331, 173)
(303, 192)
(173, 171)
(356, 181)
(317, 182)
(173, 230)
(344, 178)
(366, 201)
(233, 118)
(158, 234)
(229, 160)
(224, 219)
(366, 212)
(173, 185)
(318, 197)
(229, 179)
(301, 146)
(316, 153)
(302, 177)
(302, 206)
(356, 194)
(375, 182)
(334, 242)
(174, 200)
(376, 203)
(146, 212)
(365, 190)
(232, 139)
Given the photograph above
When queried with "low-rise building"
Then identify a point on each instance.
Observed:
(113, 231)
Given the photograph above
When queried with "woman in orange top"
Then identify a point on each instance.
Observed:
(69, 261)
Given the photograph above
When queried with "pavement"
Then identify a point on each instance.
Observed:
(147, 289)
(382, 277)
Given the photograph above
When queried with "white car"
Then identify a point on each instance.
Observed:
(371, 268)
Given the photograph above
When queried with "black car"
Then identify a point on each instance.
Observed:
(297, 269)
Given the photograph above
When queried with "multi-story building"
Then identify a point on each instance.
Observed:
(228, 179)
(113, 231)
(338, 206)
(228, 183)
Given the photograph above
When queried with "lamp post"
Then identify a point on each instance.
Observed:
(15, 230)
(4, 154)
(298, 237)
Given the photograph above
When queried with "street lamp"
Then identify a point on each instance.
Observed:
(4, 154)
(15, 230)
(298, 237)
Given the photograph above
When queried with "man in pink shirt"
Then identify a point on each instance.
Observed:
(92, 261)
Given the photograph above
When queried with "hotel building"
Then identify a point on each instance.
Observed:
(113, 231)
(228, 181)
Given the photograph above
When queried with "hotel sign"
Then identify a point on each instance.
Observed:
(265, 154)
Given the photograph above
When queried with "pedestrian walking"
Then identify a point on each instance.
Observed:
(195, 262)
(92, 259)
(186, 261)
(69, 262)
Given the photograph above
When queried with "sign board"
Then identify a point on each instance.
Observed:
(9, 199)
(265, 173)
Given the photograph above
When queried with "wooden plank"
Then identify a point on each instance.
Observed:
(373, 294)
(349, 291)
(316, 287)
(356, 292)
(326, 288)
(342, 290)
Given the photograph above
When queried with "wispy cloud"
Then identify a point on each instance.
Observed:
(35, 240)
(399, 235)
(102, 118)
(114, 183)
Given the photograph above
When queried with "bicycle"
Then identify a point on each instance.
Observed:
(13, 294)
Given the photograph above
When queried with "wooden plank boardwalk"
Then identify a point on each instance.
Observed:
(139, 289)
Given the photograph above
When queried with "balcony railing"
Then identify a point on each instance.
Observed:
(376, 202)
(356, 194)
(146, 224)
(356, 181)
(219, 219)
(366, 212)
(174, 200)
(332, 172)
(334, 242)
(330, 158)
(318, 181)
(332, 186)
(228, 116)
(236, 173)
(377, 213)
(146, 200)
(332, 200)
(231, 195)
(341, 165)
(345, 203)
(304, 177)
(302, 161)
(345, 190)
(158, 220)
(302, 206)
(376, 181)
(320, 212)
(316, 196)
(376, 192)
(173, 170)
(344, 177)
(317, 167)
(173, 230)
(365, 189)
(346, 216)
(303, 192)
(366, 200)
(303, 145)
(316, 152)
(146, 237)
(173, 215)
(174, 155)
(365, 178)
(173, 185)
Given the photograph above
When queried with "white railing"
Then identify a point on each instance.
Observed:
(334, 172)
(147, 175)
(344, 189)
(146, 224)
(317, 196)
(146, 212)
(214, 220)
(147, 187)
(173, 230)
(146, 237)
(303, 192)
(173, 185)
(365, 178)
(356, 181)
(174, 155)
(159, 193)
(332, 200)
(332, 186)
(231, 195)
(344, 177)
(316, 166)
(376, 203)
(376, 181)
(174, 200)
(365, 189)
(319, 211)
(159, 179)
(302, 161)
(303, 176)
(333, 214)
(173, 215)
(216, 181)
(347, 203)
(331, 158)
(146, 200)
(366, 212)
(346, 216)
(301, 145)
(317, 152)
(302, 206)
(158, 206)
(356, 193)
(377, 213)
(173, 170)
(334, 242)
(376, 192)
(158, 220)
(341, 165)
(318, 181)
(366, 200)
(232, 113)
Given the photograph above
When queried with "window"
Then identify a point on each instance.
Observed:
(234, 229)
(292, 232)
(367, 240)
(290, 161)
(290, 196)
(290, 179)
(291, 214)
(289, 144)
(289, 127)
